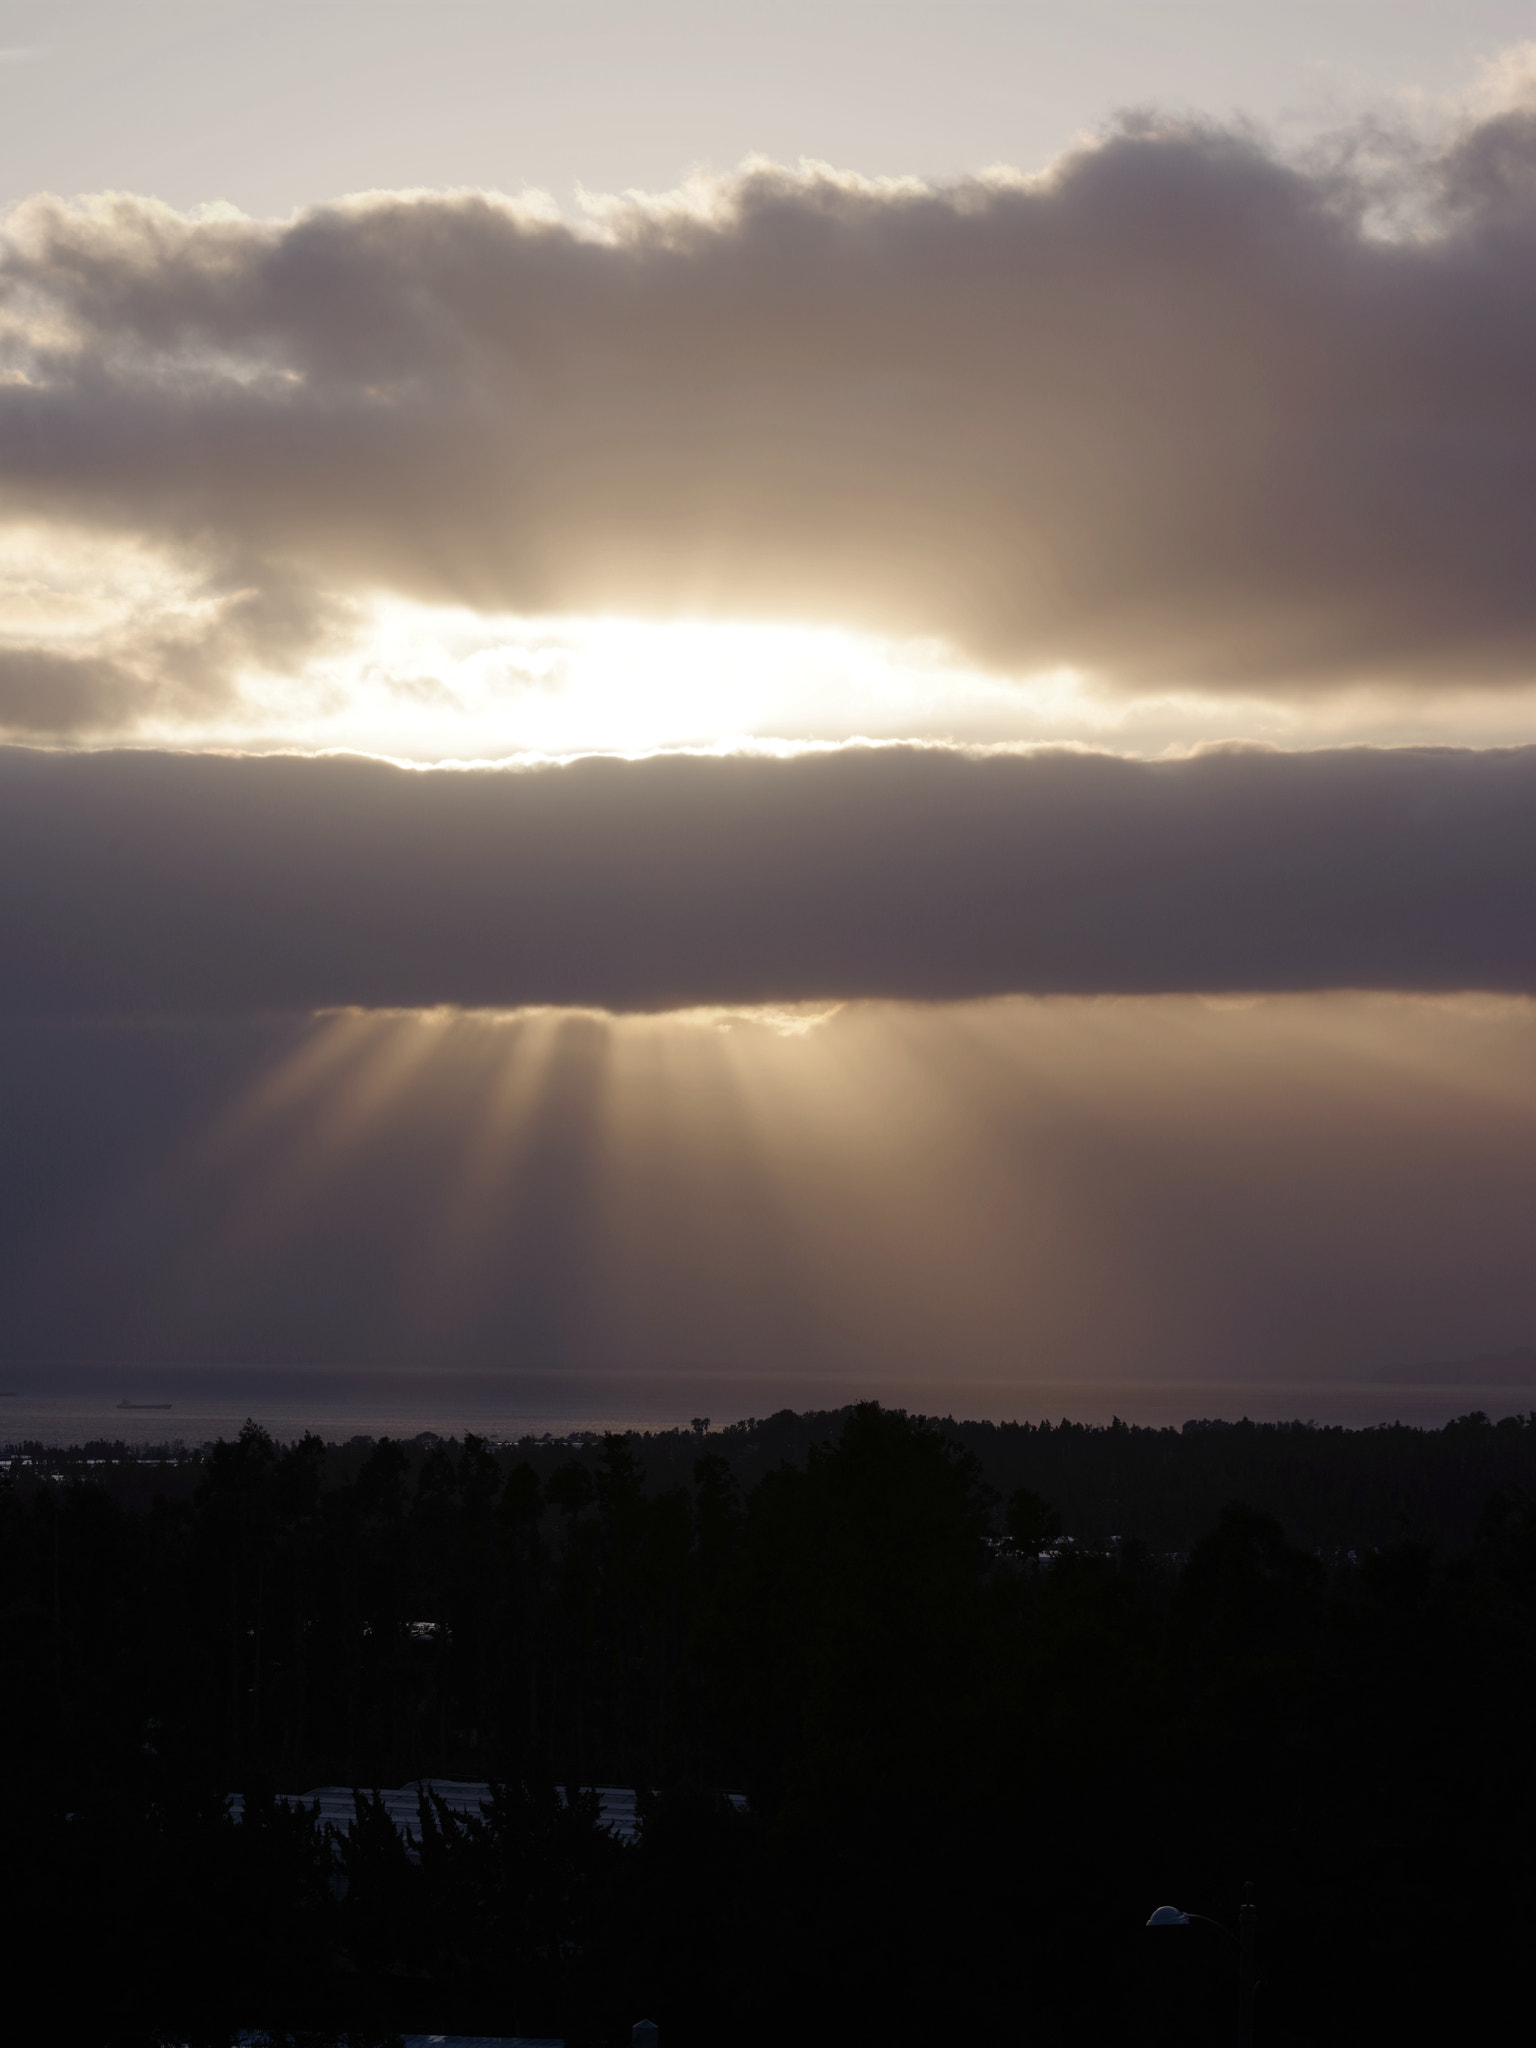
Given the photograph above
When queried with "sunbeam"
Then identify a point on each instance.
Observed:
(1045, 1189)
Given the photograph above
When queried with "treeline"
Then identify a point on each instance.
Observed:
(974, 1763)
(1332, 1488)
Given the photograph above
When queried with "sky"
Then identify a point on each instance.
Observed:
(844, 692)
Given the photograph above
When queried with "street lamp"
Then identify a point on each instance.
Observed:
(1245, 1941)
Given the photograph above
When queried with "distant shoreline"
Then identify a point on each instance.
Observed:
(78, 1406)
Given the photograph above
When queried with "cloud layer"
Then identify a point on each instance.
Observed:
(198, 884)
(1177, 414)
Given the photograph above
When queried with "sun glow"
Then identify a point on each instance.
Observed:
(433, 684)
(165, 659)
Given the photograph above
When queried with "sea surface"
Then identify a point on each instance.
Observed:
(76, 1403)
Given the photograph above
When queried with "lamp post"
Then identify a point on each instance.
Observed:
(1245, 1941)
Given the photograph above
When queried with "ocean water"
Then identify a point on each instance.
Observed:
(63, 1404)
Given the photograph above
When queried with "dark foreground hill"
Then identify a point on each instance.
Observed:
(975, 1756)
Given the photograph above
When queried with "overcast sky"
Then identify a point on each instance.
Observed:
(776, 685)
(274, 104)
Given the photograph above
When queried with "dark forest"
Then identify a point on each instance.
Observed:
(991, 1693)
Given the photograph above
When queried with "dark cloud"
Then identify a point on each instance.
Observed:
(1173, 414)
(182, 884)
(44, 692)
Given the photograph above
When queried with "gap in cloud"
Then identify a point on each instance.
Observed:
(431, 684)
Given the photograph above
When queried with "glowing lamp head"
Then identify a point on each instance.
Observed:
(1168, 1916)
